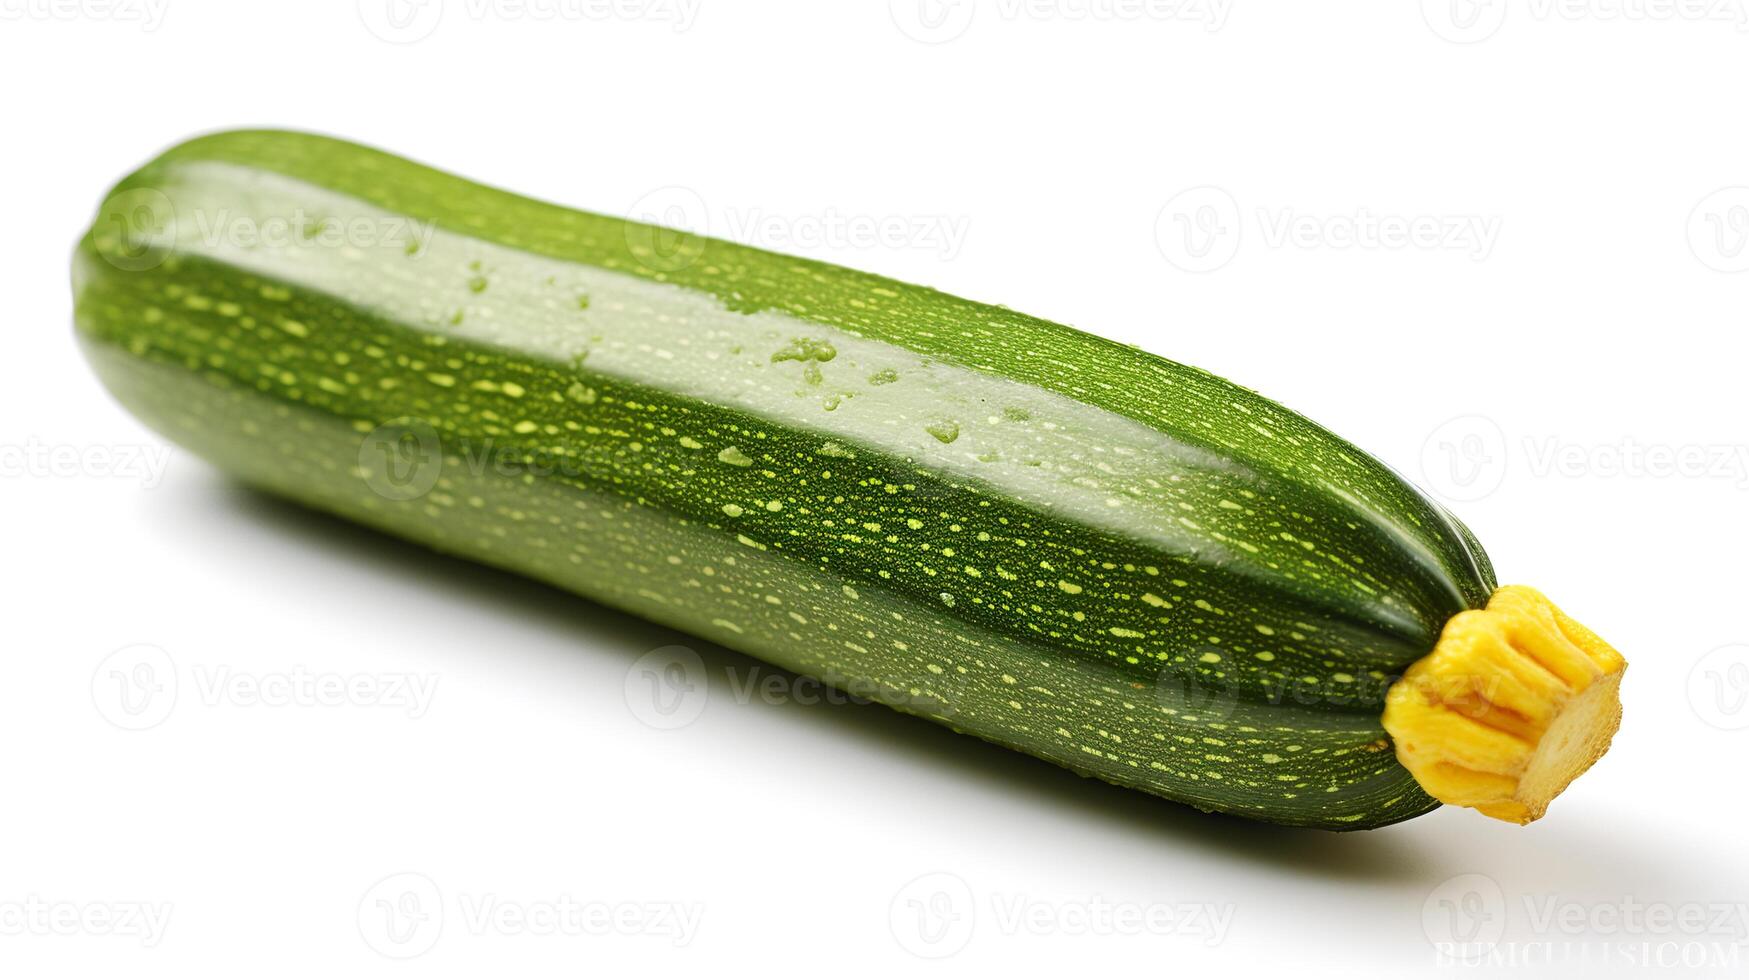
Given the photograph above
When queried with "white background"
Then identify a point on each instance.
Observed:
(1578, 310)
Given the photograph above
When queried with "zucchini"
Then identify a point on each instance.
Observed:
(1065, 545)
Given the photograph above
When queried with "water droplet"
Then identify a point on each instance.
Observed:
(805, 349)
(885, 376)
(734, 457)
(946, 430)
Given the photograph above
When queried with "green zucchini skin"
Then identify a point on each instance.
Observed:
(1064, 545)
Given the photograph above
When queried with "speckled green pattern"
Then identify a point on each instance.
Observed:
(1064, 545)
